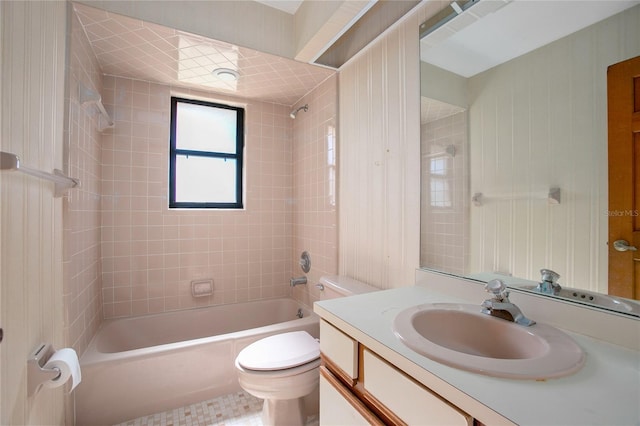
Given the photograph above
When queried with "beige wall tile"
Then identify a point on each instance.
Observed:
(145, 243)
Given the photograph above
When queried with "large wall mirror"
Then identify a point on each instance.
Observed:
(514, 140)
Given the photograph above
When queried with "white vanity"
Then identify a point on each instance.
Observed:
(369, 377)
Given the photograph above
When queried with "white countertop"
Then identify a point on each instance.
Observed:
(606, 391)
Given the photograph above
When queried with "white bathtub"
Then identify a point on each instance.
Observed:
(143, 365)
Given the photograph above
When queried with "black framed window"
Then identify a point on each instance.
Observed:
(205, 155)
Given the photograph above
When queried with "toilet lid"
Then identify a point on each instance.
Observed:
(279, 352)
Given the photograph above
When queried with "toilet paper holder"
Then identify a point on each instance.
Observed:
(36, 374)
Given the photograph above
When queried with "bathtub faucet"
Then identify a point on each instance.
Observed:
(297, 281)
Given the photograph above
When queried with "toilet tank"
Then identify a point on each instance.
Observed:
(342, 286)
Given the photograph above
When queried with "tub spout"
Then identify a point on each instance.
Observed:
(297, 281)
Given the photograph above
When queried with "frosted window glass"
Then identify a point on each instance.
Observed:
(205, 128)
(439, 166)
(203, 179)
(440, 193)
(439, 184)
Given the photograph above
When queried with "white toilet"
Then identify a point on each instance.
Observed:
(284, 368)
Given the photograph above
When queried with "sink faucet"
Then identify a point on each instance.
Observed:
(500, 306)
(297, 281)
(548, 284)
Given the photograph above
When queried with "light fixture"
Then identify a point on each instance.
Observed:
(226, 74)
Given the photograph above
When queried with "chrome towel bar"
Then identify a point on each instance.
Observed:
(552, 197)
(62, 182)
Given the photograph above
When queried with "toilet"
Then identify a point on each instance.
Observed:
(284, 368)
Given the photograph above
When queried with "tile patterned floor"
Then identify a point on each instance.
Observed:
(236, 409)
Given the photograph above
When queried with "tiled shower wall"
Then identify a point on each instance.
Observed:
(150, 254)
(444, 230)
(315, 218)
(82, 278)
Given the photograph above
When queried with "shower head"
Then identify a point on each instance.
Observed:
(293, 114)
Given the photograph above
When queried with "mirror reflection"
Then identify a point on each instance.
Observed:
(514, 139)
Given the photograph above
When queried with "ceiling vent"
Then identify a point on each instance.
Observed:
(443, 25)
(445, 15)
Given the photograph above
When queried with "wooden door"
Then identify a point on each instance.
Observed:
(623, 95)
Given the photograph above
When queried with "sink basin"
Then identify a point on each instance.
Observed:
(461, 336)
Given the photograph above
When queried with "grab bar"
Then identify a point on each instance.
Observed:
(62, 182)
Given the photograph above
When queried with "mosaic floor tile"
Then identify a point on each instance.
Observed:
(236, 409)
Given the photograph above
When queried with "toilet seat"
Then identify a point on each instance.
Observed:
(280, 352)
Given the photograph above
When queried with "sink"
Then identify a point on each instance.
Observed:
(618, 304)
(460, 336)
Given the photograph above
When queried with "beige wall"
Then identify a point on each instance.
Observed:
(315, 209)
(379, 167)
(444, 229)
(82, 274)
(150, 254)
(33, 84)
(541, 121)
(442, 85)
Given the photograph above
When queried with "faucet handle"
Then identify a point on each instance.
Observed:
(497, 288)
(549, 276)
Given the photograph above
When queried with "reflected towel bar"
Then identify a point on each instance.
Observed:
(62, 182)
(553, 197)
(450, 150)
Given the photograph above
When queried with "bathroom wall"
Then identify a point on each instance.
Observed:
(445, 199)
(150, 254)
(379, 192)
(551, 108)
(82, 274)
(315, 209)
(33, 51)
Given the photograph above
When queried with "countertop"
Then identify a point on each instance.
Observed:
(606, 391)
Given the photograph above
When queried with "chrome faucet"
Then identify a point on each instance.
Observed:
(297, 281)
(500, 306)
(548, 284)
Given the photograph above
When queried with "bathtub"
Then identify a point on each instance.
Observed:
(144, 365)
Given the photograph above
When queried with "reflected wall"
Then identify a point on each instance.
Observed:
(536, 122)
(444, 208)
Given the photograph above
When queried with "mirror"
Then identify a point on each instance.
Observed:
(514, 141)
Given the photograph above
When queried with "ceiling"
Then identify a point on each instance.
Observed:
(131, 48)
(288, 6)
(468, 45)
(432, 110)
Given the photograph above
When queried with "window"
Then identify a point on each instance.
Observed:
(205, 158)
(440, 192)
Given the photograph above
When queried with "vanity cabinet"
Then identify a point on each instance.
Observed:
(357, 386)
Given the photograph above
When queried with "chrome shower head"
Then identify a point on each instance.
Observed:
(293, 114)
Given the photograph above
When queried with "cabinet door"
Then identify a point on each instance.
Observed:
(339, 407)
(340, 349)
(407, 399)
